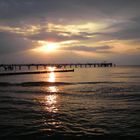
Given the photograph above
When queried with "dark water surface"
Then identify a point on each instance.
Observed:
(87, 103)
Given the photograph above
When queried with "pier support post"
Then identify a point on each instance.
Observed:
(15, 68)
(19, 67)
(37, 67)
(28, 67)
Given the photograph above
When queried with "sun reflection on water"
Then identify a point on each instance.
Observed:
(53, 89)
(51, 107)
(51, 69)
(51, 100)
(51, 77)
(51, 103)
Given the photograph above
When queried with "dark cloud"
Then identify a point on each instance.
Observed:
(72, 9)
(126, 30)
(10, 43)
(127, 34)
(124, 17)
(19, 9)
(99, 49)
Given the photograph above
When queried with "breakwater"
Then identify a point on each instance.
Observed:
(34, 72)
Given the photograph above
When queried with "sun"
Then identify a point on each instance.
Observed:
(47, 46)
(50, 46)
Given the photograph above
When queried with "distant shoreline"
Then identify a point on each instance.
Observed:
(128, 65)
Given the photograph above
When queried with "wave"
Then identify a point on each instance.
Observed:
(2, 84)
(102, 82)
(26, 84)
(43, 83)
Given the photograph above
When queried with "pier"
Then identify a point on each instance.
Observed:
(10, 67)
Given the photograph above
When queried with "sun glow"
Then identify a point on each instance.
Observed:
(49, 47)
(51, 69)
(51, 77)
(51, 103)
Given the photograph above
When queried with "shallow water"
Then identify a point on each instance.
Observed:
(87, 103)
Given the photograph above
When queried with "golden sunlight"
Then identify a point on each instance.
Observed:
(46, 46)
(51, 74)
(49, 47)
(51, 77)
(50, 101)
(53, 89)
(51, 69)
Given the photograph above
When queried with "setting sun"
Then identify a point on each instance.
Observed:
(49, 47)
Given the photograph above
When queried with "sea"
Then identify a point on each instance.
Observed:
(89, 103)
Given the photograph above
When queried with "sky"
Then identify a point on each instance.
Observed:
(65, 31)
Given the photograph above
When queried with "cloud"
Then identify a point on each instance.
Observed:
(11, 43)
(68, 9)
(56, 36)
(99, 49)
(127, 29)
(124, 23)
(25, 22)
(121, 30)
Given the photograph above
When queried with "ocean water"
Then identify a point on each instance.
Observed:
(86, 103)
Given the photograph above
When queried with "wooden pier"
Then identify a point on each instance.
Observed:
(10, 67)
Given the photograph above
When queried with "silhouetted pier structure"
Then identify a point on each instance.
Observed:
(10, 67)
(35, 72)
